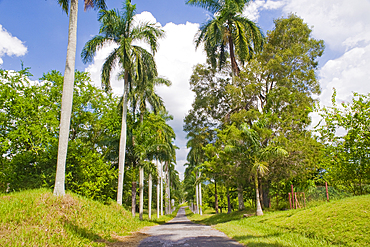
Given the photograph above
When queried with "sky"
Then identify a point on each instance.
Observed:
(35, 32)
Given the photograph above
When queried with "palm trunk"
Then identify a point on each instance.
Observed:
(158, 189)
(67, 101)
(141, 189)
(150, 196)
(197, 198)
(167, 189)
(133, 197)
(234, 65)
(200, 199)
(122, 142)
(162, 189)
(216, 199)
(240, 197)
(258, 202)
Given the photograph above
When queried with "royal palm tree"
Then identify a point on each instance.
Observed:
(142, 95)
(67, 97)
(228, 32)
(136, 62)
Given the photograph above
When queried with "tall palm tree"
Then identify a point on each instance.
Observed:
(67, 97)
(228, 29)
(136, 62)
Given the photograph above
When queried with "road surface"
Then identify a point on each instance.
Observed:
(180, 231)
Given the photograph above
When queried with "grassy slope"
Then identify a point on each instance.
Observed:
(344, 222)
(37, 218)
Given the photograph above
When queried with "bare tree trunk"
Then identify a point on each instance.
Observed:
(216, 199)
(158, 189)
(240, 197)
(122, 143)
(150, 196)
(133, 198)
(141, 189)
(67, 101)
(161, 188)
(258, 202)
(200, 199)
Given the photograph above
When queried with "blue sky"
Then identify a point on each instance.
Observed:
(36, 33)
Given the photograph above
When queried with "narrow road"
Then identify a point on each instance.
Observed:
(180, 231)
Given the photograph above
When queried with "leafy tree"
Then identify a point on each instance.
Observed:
(228, 29)
(29, 128)
(136, 62)
(345, 134)
(67, 98)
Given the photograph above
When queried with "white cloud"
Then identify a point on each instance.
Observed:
(10, 45)
(175, 59)
(342, 24)
(348, 73)
(252, 11)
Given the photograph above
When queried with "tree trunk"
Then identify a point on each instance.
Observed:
(258, 202)
(234, 65)
(167, 201)
(141, 189)
(266, 194)
(169, 189)
(122, 143)
(158, 189)
(216, 199)
(150, 196)
(228, 201)
(162, 189)
(200, 199)
(133, 198)
(197, 198)
(240, 197)
(67, 101)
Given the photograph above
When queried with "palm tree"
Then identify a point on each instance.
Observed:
(136, 62)
(228, 29)
(67, 97)
(260, 153)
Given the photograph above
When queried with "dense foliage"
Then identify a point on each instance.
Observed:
(29, 122)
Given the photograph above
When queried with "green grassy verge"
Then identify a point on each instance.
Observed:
(344, 222)
(37, 218)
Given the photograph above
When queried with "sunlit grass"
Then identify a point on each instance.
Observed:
(38, 218)
(343, 222)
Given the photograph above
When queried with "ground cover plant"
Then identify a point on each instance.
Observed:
(342, 222)
(37, 218)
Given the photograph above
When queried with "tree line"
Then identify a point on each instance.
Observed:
(248, 129)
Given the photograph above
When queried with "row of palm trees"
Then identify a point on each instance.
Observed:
(227, 34)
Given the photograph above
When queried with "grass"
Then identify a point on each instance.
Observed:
(37, 218)
(343, 222)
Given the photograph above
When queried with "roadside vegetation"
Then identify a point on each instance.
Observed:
(342, 222)
(37, 218)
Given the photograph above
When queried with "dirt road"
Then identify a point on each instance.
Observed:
(182, 232)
